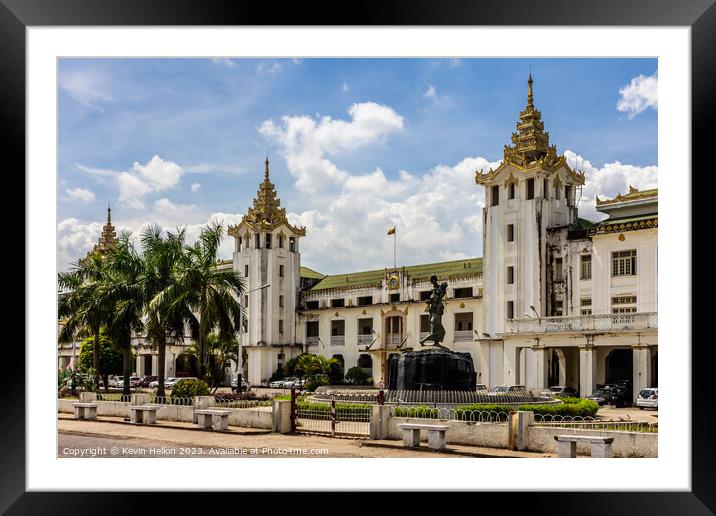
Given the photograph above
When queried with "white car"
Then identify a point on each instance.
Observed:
(171, 382)
(155, 383)
(276, 384)
(117, 382)
(288, 382)
(648, 398)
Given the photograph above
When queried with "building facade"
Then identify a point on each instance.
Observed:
(554, 300)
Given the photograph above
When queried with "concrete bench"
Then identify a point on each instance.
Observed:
(567, 445)
(85, 410)
(139, 414)
(211, 418)
(436, 435)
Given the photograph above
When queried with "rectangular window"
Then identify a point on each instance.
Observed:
(338, 328)
(424, 323)
(280, 241)
(510, 309)
(280, 326)
(558, 308)
(546, 189)
(292, 244)
(246, 301)
(568, 194)
(268, 240)
(530, 189)
(624, 305)
(624, 263)
(312, 305)
(280, 271)
(240, 242)
(280, 301)
(394, 298)
(425, 295)
(557, 192)
(586, 311)
(558, 269)
(246, 271)
(462, 292)
(338, 303)
(585, 267)
(312, 328)
(258, 241)
(585, 301)
(495, 196)
(365, 326)
(510, 275)
(365, 300)
(510, 232)
(511, 191)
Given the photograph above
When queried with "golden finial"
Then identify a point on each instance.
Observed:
(266, 174)
(109, 213)
(529, 91)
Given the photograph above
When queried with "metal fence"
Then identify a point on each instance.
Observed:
(171, 400)
(476, 416)
(114, 396)
(229, 403)
(333, 419)
(592, 423)
(462, 397)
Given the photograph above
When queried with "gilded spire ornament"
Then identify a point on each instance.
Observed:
(108, 237)
(266, 212)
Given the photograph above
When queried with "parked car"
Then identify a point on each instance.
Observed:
(287, 382)
(508, 389)
(276, 384)
(648, 398)
(481, 387)
(298, 383)
(116, 382)
(171, 382)
(146, 380)
(561, 390)
(154, 384)
(245, 386)
(135, 381)
(610, 394)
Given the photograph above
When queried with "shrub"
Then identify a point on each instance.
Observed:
(190, 388)
(240, 396)
(357, 376)
(315, 382)
(278, 374)
(342, 409)
(573, 408)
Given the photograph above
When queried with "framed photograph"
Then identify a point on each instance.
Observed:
(430, 238)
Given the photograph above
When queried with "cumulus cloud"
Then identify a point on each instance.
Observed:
(195, 187)
(639, 95)
(345, 87)
(223, 61)
(430, 92)
(608, 181)
(80, 194)
(308, 142)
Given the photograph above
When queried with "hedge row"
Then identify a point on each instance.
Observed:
(352, 409)
(574, 407)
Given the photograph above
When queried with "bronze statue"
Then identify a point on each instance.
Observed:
(436, 307)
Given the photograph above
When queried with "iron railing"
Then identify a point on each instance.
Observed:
(636, 321)
(462, 336)
(593, 423)
(338, 340)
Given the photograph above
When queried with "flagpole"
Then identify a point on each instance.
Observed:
(395, 250)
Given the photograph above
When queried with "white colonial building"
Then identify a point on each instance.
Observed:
(554, 300)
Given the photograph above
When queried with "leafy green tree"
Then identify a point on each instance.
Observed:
(81, 308)
(208, 295)
(335, 373)
(357, 376)
(111, 358)
(221, 353)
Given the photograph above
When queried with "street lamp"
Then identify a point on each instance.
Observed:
(239, 357)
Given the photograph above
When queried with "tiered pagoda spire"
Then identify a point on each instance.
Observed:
(108, 237)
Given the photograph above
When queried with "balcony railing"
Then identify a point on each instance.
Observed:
(393, 340)
(311, 341)
(365, 340)
(338, 340)
(637, 321)
(462, 336)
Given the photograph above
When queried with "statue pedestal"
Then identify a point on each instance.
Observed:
(433, 368)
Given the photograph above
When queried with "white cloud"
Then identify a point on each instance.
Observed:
(345, 87)
(87, 87)
(223, 61)
(608, 181)
(429, 92)
(81, 194)
(639, 95)
(455, 62)
(195, 187)
(306, 142)
(269, 68)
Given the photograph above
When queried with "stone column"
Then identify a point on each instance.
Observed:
(541, 357)
(641, 359)
(587, 370)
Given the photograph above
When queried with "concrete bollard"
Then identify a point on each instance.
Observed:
(281, 417)
(518, 428)
(380, 416)
(88, 397)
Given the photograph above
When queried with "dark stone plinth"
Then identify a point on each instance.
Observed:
(434, 368)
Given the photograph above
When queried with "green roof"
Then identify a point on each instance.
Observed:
(373, 278)
(310, 273)
(627, 220)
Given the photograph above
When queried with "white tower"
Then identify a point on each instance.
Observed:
(532, 190)
(266, 252)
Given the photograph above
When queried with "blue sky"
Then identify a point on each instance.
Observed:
(178, 141)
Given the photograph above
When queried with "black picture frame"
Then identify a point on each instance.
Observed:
(699, 15)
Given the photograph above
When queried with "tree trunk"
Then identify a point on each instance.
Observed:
(95, 360)
(105, 378)
(202, 355)
(126, 371)
(161, 365)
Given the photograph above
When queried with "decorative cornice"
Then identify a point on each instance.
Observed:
(623, 227)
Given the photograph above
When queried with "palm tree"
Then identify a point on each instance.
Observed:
(160, 255)
(82, 308)
(123, 291)
(209, 293)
